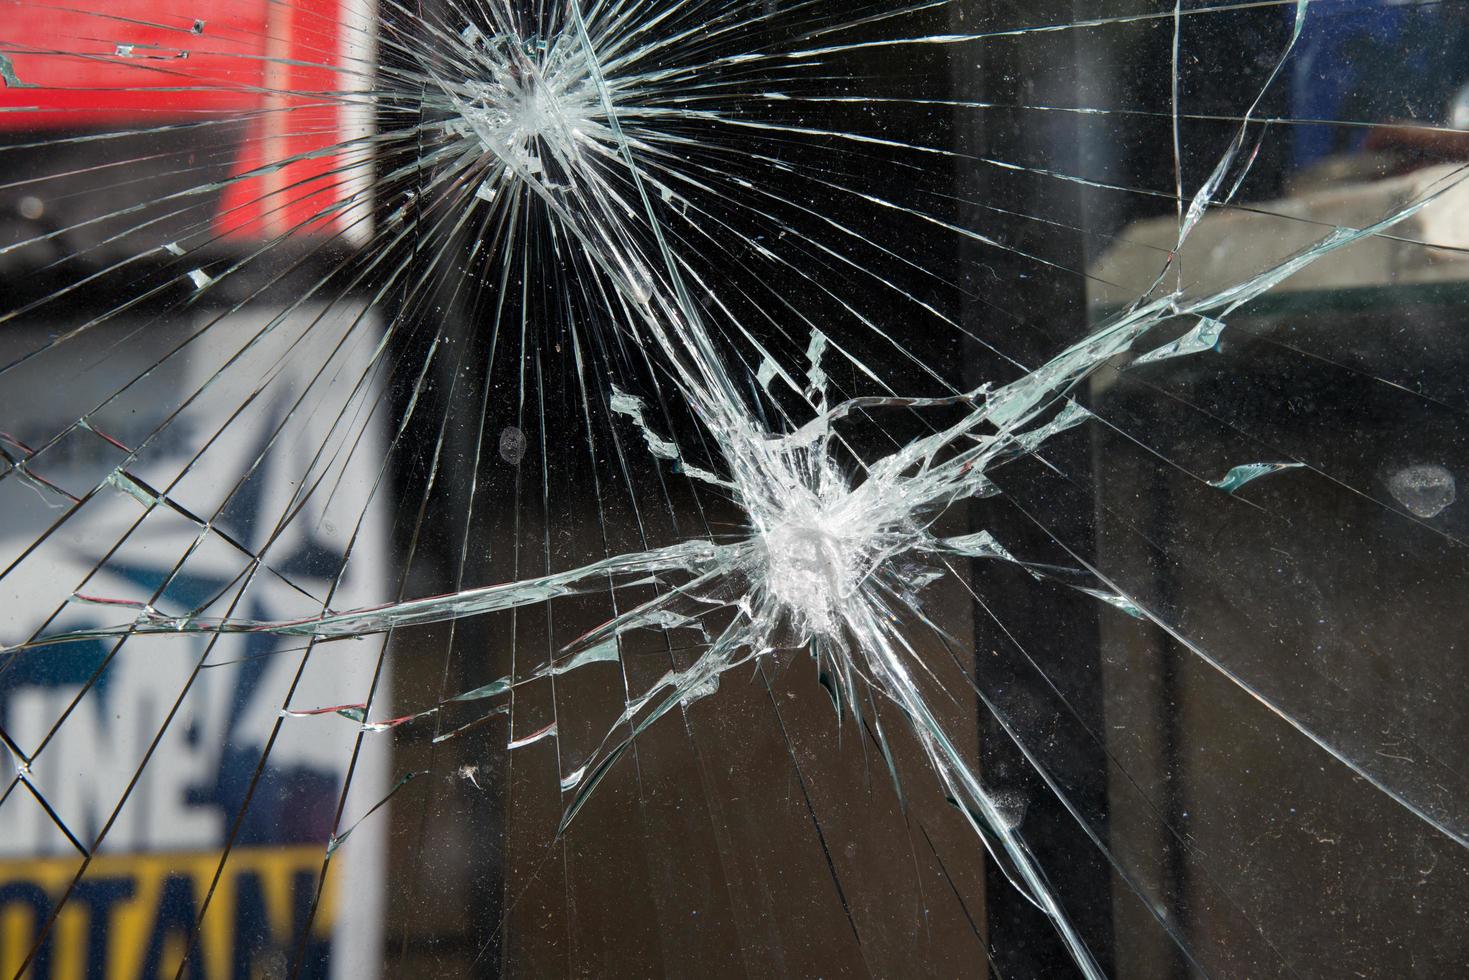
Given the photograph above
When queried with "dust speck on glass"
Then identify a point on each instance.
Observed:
(734, 487)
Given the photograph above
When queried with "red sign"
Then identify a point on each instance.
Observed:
(282, 81)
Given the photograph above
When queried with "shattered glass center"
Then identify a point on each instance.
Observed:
(811, 571)
(526, 100)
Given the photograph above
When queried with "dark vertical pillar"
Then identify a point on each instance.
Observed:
(1028, 302)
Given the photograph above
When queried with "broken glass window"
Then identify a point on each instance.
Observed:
(628, 487)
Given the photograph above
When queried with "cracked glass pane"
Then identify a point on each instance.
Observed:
(744, 487)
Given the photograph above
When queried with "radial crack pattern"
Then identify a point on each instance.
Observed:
(671, 263)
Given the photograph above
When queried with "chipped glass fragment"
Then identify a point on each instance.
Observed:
(1425, 489)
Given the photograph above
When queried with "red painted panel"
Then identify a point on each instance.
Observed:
(113, 65)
